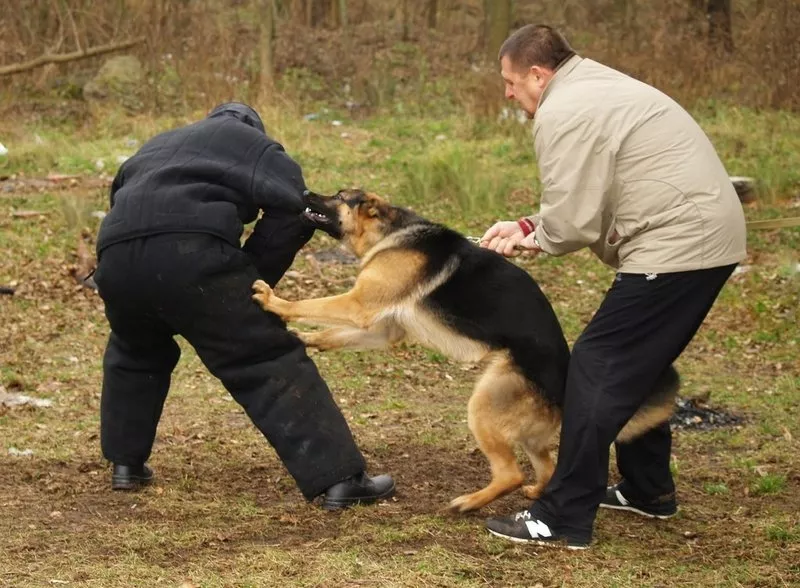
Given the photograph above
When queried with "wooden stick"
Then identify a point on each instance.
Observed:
(774, 223)
(7, 70)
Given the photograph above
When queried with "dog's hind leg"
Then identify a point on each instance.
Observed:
(494, 411)
(378, 336)
(506, 475)
(543, 466)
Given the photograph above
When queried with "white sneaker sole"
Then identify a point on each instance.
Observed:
(637, 511)
(538, 542)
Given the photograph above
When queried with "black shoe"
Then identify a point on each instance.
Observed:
(522, 528)
(126, 477)
(359, 489)
(663, 508)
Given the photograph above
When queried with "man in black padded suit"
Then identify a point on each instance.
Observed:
(170, 263)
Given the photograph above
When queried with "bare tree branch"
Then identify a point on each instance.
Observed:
(74, 27)
(7, 70)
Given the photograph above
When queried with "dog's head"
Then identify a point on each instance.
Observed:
(358, 218)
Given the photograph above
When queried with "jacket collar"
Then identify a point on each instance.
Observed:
(562, 71)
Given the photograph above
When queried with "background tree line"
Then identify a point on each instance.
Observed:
(193, 51)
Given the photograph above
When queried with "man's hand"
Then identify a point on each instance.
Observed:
(507, 239)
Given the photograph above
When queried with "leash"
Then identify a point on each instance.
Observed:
(477, 241)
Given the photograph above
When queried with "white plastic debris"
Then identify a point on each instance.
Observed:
(336, 123)
(99, 164)
(3, 150)
(10, 400)
(98, 214)
(20, 452)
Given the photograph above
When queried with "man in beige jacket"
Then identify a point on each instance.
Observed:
(628, 173)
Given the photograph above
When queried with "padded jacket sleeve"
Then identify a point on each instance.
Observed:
(276, 239)
(278, 181)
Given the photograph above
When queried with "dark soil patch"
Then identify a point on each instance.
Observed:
(692, 413)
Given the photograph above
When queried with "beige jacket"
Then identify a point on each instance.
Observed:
(627, 172)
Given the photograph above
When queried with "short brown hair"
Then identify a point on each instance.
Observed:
(536, 45)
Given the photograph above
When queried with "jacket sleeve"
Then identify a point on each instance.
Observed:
(577, 164)
(276, 239)
(278, 181)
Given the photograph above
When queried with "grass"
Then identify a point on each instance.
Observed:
(225, 513)
(770, 484)
(716, 488)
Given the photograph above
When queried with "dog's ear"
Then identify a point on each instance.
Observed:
(373, 211)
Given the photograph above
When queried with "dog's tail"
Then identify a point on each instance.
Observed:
(657, 409)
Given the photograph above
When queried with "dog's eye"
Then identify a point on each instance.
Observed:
(372, 212)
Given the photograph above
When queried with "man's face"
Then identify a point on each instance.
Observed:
(524, 85)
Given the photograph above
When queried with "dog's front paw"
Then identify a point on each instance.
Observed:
(263, 294)
(466, 503)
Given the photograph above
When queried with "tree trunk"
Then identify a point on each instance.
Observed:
(497, 25)
(309, 13)
(433, 10)
(719, 24)
(266, 46)
(406, 15)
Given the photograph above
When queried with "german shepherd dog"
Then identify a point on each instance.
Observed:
(424, 282)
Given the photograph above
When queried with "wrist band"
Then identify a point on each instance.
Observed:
(526, 225)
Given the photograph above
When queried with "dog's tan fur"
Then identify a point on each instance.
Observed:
(504, 411)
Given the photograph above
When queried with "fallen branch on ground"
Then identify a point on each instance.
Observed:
(7, 70)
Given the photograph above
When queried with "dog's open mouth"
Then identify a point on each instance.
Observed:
(316, 217)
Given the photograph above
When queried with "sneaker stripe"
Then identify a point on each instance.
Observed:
(538, 529)
(620, 498)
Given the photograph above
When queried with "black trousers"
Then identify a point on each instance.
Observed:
(199, 286)
(642, 326)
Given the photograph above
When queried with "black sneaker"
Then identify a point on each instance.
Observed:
(657, 509)
(125, 477)
(522, 528)
(360, 489)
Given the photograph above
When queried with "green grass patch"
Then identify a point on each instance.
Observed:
(769, 484)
